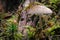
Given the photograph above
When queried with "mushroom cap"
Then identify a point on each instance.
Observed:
(39, 9)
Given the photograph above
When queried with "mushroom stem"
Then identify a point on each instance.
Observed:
(40, 21)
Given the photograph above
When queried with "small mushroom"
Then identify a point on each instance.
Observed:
(39, 10)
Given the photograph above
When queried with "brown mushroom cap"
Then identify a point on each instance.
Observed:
(39, 9)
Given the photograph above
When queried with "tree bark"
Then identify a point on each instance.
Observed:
(1, 6)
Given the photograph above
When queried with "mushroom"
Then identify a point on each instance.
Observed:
(38, 10)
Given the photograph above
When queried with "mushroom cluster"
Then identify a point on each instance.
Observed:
(32, 9)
